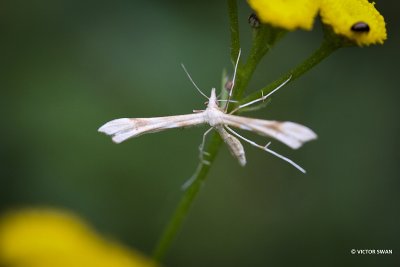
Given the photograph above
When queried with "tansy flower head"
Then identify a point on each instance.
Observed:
(357, 20)
(286, 14)
(47, 238)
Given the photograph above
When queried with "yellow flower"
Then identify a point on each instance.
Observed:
(358, 20)
(287, 14)
(47, 238)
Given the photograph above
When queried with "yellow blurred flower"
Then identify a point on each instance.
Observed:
(287, 14)
(357, 20)
(49, 238)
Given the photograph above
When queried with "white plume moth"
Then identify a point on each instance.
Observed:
(290, 133)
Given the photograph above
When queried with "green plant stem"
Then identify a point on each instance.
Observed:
(262, 41)
(264, 38)
(188, 197)
(321, 53)
(200, 174)
(234, 28)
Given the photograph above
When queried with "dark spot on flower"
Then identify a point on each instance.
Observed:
(360, 27)
(254, 21)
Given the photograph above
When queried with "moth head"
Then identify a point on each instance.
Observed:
(212, 101)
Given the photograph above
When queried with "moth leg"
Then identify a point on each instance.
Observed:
(201, 148)
(265, 148)
(263, 97)
(190, 181)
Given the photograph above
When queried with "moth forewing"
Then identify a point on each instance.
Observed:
(290, 133)
(234, 145)
(125, 128)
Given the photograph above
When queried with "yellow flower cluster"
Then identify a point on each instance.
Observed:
(357, 20)
(48, 238)
(288, 14)
(344, 16)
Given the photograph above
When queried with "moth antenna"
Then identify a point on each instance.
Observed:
(263, 97)
(235, 71)
(265, 148)
(195, 85)
(233, 80)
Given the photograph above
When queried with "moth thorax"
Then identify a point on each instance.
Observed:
(214, 117)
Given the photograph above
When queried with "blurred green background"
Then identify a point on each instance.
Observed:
(70, 66)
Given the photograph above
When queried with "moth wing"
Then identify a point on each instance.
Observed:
(290, 133)
(125, 128)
